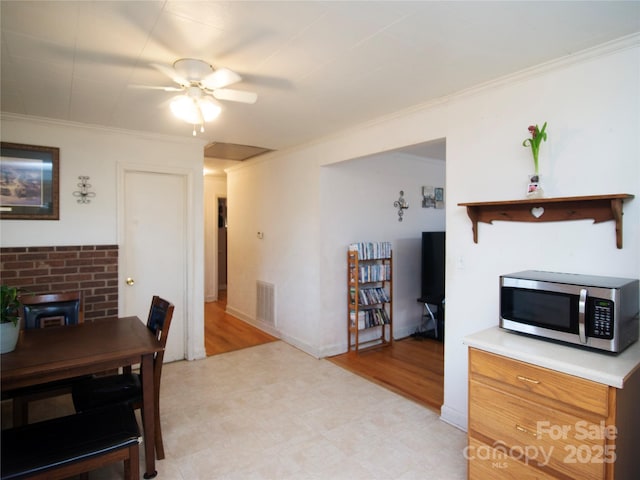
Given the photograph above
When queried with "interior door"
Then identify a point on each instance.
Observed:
(154, 252)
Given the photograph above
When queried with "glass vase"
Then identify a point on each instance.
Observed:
(534, 188)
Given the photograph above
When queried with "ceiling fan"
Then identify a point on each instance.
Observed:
(200, 85)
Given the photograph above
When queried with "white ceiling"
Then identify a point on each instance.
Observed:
(318, 67)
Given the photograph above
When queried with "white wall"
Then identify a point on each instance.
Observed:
(279, 199)
(593, 148)
(97, 152)
(591, 105)
(82, 152)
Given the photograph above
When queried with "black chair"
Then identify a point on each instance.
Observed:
(45, 311)
(64, 447)
(97, 392)
(52, 310)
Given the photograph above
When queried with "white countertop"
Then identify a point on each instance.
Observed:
(599, 367)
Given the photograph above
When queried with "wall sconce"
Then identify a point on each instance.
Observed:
(401, 205)
(84, 194)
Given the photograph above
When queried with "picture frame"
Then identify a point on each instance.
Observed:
(29, 182)
(439, 197)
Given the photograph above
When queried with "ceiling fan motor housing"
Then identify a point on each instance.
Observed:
(192, 69)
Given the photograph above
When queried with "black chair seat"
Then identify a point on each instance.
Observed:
(53, 444)
(96, 392)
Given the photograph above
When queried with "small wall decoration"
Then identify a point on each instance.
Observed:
(432, 197)
(29, 182)
(439, 197)
(428, 197)
(538, 135)
(401, 204)
(84, 195)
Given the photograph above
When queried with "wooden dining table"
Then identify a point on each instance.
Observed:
(48, 354)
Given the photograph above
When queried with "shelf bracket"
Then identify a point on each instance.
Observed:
(600, 208)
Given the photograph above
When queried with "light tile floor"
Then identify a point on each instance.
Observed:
(273, 412)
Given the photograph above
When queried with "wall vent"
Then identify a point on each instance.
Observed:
(266, 303)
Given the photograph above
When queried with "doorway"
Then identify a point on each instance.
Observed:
(222, 332)
(222, 246)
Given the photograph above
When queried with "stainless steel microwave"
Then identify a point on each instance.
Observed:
(591, 311)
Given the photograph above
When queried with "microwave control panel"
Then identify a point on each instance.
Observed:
(601, 319)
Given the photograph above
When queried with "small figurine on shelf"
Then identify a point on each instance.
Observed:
(534, 190)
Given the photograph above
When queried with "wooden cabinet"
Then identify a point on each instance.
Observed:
(370, 296)
(527, 421)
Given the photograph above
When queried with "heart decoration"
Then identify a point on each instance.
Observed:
(537, 211)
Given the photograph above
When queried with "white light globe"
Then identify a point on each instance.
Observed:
(210, 109)
(185, 109)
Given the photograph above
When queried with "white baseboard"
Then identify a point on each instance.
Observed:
(253, 322)
(453, 417)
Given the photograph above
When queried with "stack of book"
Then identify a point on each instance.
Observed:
(371, 250)
(374, 273)
(371, 317)
(371, 296)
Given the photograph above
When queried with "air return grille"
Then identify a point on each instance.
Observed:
(266, 303)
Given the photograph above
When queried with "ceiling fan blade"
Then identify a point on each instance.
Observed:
(151, 87)
(235, 95)
(171, 73)
(220, 78)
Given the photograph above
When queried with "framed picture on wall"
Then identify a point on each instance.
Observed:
(29, 182)
(439, 197)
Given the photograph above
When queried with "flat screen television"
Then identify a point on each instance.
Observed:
(433, 261)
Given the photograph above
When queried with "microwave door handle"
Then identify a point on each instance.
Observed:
(582, 308)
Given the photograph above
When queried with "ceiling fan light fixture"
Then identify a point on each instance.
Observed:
(195, 111)
(202, 86)
(184, 107)
(209, 108)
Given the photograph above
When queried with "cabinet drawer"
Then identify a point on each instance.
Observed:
(541, 435)
(552, 386)
(488, 463)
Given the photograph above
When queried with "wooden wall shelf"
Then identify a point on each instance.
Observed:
(598, 207)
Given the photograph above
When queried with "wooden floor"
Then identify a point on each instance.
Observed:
(225, 333)
(412, 367)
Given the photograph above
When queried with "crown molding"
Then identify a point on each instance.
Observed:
(8, 117)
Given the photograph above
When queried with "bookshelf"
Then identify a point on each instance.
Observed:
(369, 295)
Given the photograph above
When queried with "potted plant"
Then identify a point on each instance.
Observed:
(538, 135)
(9, 318)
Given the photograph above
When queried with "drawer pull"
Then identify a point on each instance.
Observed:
(526, 430)
(527, 380)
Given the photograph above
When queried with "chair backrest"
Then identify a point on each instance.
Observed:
(159, 321)
(52, 310)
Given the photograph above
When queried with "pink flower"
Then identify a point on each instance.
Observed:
(537, 136)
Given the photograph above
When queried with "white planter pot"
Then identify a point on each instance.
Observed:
(8, 336)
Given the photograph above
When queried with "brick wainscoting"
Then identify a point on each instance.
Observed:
(93, 269)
